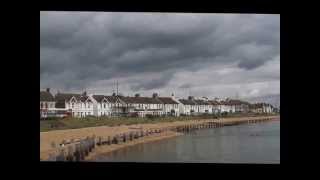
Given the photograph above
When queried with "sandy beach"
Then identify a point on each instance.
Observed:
(46, 138)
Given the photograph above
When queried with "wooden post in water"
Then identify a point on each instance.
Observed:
(99, 141)
(131, 136)
(70, 153)
(76, 153)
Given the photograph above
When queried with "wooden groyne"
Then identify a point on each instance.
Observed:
(79, 149)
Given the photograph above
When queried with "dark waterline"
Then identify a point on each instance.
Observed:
(247, 143)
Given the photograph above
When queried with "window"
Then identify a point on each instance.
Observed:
(89, 113)
(88, 105)
(41, 105)
(46, 104)
(72, 105)
(104, 105)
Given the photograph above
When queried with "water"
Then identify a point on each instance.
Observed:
(246, 143)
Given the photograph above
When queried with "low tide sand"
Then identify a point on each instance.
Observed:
(46, 138)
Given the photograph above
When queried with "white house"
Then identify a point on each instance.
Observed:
(214, 106)
(267, 108)
(170, 106)
(188, 106)
(101, 105)
(239, 106)
(117, 105)
(47, 104)
(77, 105)
(202, 106)
(261, 108)
(226, 106)
(144, 105)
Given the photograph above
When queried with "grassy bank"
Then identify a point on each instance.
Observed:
(75, 123)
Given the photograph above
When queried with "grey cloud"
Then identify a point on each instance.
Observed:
(185, 86)
(78, 48)
(153, 83)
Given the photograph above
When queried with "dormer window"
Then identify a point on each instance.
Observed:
(72, 105)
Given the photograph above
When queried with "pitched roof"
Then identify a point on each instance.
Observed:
(46, 96)
(61, 98)
(83, 98)
(212, 102)
(167, 100)
(66, 96)
(259, 105)
(200, 102)
(112, 99)
(187, 102)
(98, 98)
(225, 103)
(237, 102)
(141, 100)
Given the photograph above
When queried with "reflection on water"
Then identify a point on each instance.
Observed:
(247, 143)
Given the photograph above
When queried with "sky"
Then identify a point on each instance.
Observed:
(210, 55)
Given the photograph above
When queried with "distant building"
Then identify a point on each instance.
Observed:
(76, 105)
(101, 105)
(170, 106)
(47, 104)
(188, 106)
(214, 106)
(227, 107)
(261, 108)
(82, 105)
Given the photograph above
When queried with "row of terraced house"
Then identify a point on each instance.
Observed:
(83, 104)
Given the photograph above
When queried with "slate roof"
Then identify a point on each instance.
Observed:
(98, 98)
(112, 99)
(167, 100)
(61, 98)
(66, 96)
(213, 102)
(187, 102)
(259, 105)
(46, 96)
(200, 102)
(141, 100)
(237, 102)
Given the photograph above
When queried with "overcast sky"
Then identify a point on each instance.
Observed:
(213, 55)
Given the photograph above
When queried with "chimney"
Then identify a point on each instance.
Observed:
(154, 95)
(190, 97)
(137, 95)
(114, 94)
(48, 90)
(84, 93)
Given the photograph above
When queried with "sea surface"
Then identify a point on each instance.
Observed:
(246, 143)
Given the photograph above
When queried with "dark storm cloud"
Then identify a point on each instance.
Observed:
(78, 48)
(153, 83)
